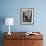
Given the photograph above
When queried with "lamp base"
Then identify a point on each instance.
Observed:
(9, 33)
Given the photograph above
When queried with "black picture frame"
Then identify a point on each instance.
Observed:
(27, 15)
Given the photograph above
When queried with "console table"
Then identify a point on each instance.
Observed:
(21, 39)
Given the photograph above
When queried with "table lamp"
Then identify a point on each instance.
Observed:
(9, 21)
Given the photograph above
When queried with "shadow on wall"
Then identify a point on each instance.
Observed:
(2, 21)
(1, 39)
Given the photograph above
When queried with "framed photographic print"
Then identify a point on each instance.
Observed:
(27, 15)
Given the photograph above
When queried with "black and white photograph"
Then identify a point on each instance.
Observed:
(27, 15)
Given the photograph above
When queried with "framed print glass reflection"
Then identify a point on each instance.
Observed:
(27, 15)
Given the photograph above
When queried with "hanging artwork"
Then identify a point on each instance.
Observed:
(27, 15)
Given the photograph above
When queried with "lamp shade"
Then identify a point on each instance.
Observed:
(9, 21)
